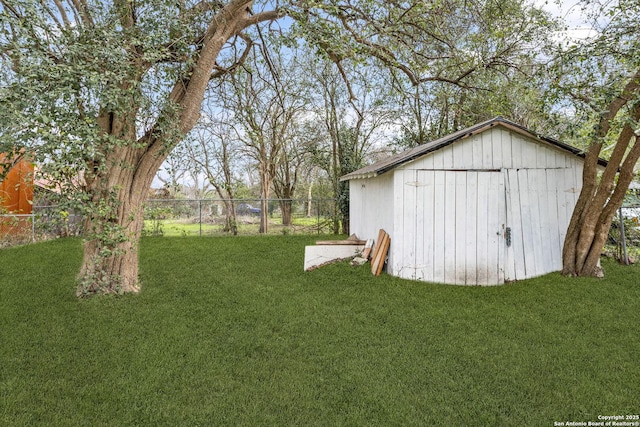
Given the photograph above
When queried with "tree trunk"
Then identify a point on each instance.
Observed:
(597, 205)
(231, 221)
(284, 191)
(226, 194)
(264, 216)
(115, 274)
(286, 206)
(601, 198)
(309, 199)
(112, 233)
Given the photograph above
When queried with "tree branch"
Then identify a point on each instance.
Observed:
(221, 71)
(83, 11)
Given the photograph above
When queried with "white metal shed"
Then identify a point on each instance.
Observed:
(483, 206)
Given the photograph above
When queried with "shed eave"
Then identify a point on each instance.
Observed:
(399, 159)
(352, 176)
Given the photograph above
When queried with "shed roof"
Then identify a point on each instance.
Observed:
(392, 162)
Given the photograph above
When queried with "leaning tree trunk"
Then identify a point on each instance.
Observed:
(598, 202)
(117, 183)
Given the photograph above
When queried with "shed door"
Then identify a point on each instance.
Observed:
(539, 207)
(453, 227)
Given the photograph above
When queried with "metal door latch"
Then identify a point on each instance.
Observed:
(507, 235)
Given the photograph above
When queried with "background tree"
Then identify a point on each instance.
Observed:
(212, 146)
(352, 112)
(294, 161)
(173, 172)
(309, 177)
(494, 59)
(267, 99)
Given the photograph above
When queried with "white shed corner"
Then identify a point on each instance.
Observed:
(483, 206)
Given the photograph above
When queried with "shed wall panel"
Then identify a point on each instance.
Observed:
(460, 227)
(497, 148)
(405, 218)
(515, 255)
(424, 253)
(483, 248)
(486, 139)
(539, 207)
(496, 223)
(446, 244)
(371, 206)
(472, 234)
(439, 214)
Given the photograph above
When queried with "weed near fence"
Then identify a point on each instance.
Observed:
(16, 229)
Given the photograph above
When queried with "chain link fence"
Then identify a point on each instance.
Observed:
(624, 236)
(216, 216)
(16, 229)
(178, 217)
(210, 217)
(45, 222)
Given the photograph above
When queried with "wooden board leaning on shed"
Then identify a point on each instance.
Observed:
(380, 252)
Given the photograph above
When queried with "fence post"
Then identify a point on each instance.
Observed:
(200, 215)
(623, 238)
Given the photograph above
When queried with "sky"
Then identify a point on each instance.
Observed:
(570, 11)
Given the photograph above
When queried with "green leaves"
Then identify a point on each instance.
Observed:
(588, 75)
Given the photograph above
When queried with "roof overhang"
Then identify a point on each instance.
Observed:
(392, 162)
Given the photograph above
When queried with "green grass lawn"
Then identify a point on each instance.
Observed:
(231, 331)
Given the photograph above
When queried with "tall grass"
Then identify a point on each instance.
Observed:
(231, 331)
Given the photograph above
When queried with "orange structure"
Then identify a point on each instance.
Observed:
(16, 197)
(16, 190)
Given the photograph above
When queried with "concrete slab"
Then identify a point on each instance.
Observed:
(319, 255)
